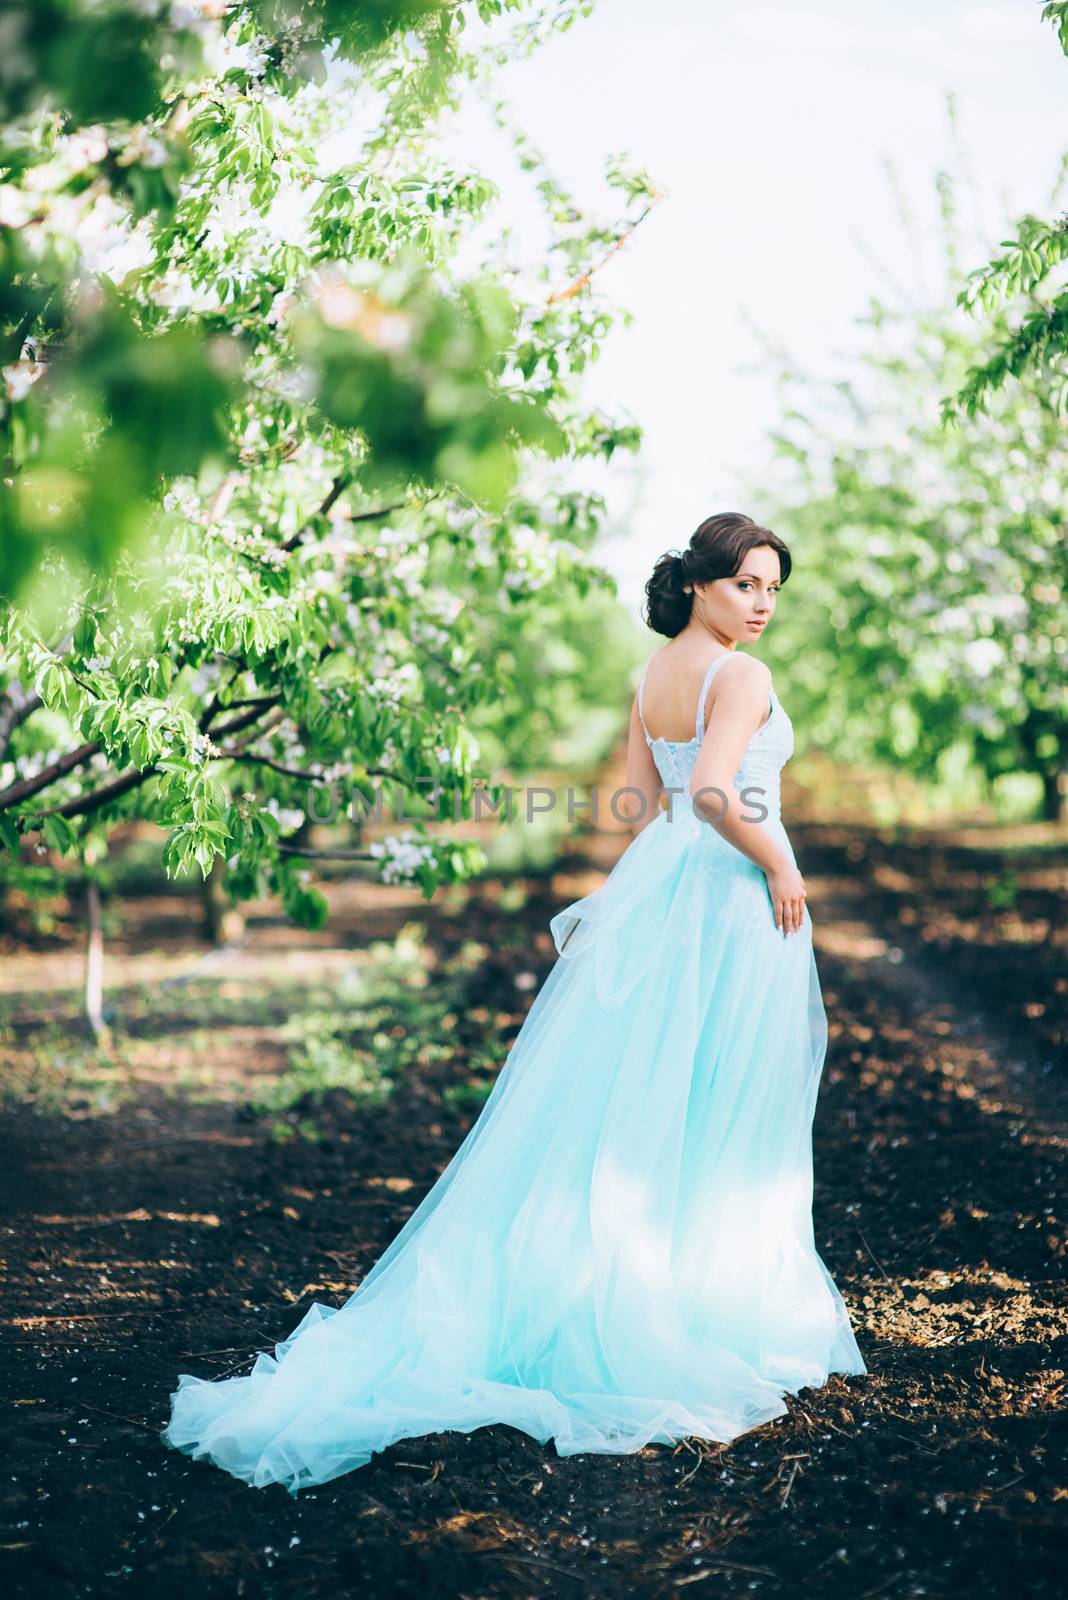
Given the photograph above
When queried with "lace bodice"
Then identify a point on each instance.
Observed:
(766, 754)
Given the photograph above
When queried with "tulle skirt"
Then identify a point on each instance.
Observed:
(621, 1250)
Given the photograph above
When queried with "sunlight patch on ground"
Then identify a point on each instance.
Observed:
(206, 1219)
(968, 1305)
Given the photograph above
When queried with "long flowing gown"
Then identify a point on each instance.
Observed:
(621, 1250)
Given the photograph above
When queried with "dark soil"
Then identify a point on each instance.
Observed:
(183, 1236)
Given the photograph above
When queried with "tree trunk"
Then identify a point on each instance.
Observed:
(223, 920)
(1032, 731)
(1055, 796)
(94, 961)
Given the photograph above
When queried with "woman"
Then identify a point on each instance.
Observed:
(621, 1250)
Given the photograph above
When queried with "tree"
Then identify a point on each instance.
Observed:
(282, 479)
(1019, 277)
(924, 626)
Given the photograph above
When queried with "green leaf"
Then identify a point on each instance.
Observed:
(50, 686)
(59, 834)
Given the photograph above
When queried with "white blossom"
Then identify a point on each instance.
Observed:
(1005, 605)
(281, 306)
(446, 607)
(289, 818)
(83, 149)
(983, 656)
(144, 148)
(15, 208)
(20, 377)
(228, 55)
(401, 856)
(980, 716)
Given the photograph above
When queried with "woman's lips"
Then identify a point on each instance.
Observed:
(753, 624)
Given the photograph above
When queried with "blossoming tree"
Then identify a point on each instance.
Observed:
(1024, 269)
(927, 628)
(293, 445)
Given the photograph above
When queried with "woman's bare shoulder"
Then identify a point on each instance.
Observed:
(742, 677)
(746, 669)
(691, 664)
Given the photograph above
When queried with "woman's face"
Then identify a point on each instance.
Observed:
(741, 607)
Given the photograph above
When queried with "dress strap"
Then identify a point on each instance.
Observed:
(709, 675)
(641, 686)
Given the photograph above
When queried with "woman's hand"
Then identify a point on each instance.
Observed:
(787, 889)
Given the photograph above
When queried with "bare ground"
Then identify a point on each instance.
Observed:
(176, 1228)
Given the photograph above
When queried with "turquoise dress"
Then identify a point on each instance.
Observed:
(621, 1250)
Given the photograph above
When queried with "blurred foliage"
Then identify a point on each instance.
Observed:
(376, 1031)
(925, 624)
(395, 1014)
(291, 501)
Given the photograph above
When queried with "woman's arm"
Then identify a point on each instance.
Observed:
(740, 705)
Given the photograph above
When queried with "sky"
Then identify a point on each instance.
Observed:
(783, 135)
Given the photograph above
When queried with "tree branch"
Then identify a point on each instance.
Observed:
(277, 717)
(267, 761)
(252, 700)
(245, 720)
(396, 777)
(118, 786)
(214, 705)
(337, 488)
(83, 805)
(31, 786)
(581, 282)
(238, 754)
(378, 511)
(324, 855)
(15, 712)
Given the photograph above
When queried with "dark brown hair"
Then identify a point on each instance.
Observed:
(716, 550)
